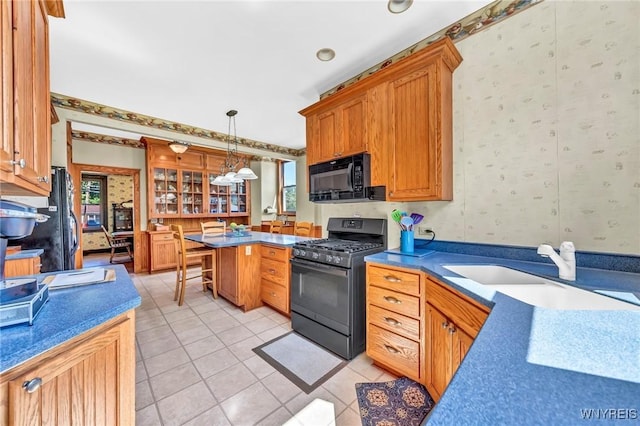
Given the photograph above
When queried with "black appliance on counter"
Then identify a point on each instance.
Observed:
(58, 236)
(328, 286)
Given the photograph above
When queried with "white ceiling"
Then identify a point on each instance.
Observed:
(191, 61)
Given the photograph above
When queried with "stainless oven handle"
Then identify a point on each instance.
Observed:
(350, 176)
(320, 267)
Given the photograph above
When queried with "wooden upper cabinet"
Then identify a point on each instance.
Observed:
(415, 149)
(337, 131)
(180, 185)
(26, 121)
(402, 116)
(6, 87)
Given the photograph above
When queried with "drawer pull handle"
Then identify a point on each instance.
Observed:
(392, 279)
(452, 330)
(272, 271)
(21, 162)
(273, 294)
(272, 253)
(32, 385)
(392, 321)
(391, 349)
(392, 299)
(445, 324)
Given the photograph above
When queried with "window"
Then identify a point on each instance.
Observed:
(287, 187)
(93, 202)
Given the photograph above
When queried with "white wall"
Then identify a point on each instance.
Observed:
(546, 133)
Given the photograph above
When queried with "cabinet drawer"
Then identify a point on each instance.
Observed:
(277, 272)
(274, 295)
(394, 301)
(405, 282)
(159, 237)
(399, 324)
(462, 312)
(274, 253)
(390, 349)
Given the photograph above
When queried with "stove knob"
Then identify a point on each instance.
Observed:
(329, 258)
(303, 253)
(315, 255)
(337, 259)
(296, 252)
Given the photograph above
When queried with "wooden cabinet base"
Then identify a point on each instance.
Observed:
(87, 380)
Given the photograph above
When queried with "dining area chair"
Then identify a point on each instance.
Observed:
(302, 229)
(116, 243)
(207, 256)
(213, 228)
(276, 227)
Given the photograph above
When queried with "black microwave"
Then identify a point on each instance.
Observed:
(346, 179)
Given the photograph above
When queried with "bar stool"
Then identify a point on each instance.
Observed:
(302, 229)
(205, 254)
(276, 227)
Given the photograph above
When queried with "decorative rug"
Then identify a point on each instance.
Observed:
(303, 362)
(400, 402)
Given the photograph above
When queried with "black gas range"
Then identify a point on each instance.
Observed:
(335, 251)
(328, 283)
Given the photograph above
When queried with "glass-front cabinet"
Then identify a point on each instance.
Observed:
(180, 186)
(238, 199)
(218, 198)
(192, 194)
(165, 189)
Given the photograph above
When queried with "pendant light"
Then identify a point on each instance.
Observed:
(228, 174)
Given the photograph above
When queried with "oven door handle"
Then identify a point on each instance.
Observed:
(320, 267)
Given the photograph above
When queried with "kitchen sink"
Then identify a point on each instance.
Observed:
(535, 290)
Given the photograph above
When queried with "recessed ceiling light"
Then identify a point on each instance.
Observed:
(399, 6)
(325, 54)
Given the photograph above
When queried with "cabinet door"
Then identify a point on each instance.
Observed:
(414, 153)
(6, 87)
(238, 199)
(439, 352)
(461, 344)
(327, 124)
(31, 94)
(352, 136)
(227, 273)
(91, 384)
(191, 194)
(163, 251)
(20, 267)
(164, 184)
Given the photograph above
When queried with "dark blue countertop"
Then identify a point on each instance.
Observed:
(495, 384)
(25, 254)
(251, 238)
(68, 313)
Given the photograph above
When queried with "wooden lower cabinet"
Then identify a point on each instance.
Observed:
(238, 275)
(21, 267)
(162, 251)
(275, 275)
(395, 319)
(89, 380)
(452, 323)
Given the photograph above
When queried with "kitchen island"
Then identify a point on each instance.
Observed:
(255, 265)
(498, 383)
(82, 335)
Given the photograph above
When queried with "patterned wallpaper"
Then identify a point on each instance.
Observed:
(119, 189)
(546, 132)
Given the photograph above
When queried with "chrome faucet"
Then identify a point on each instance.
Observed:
(566, 262)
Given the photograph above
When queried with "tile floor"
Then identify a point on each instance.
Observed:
(195, 365)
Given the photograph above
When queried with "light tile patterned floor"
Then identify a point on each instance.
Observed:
(195, 365)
